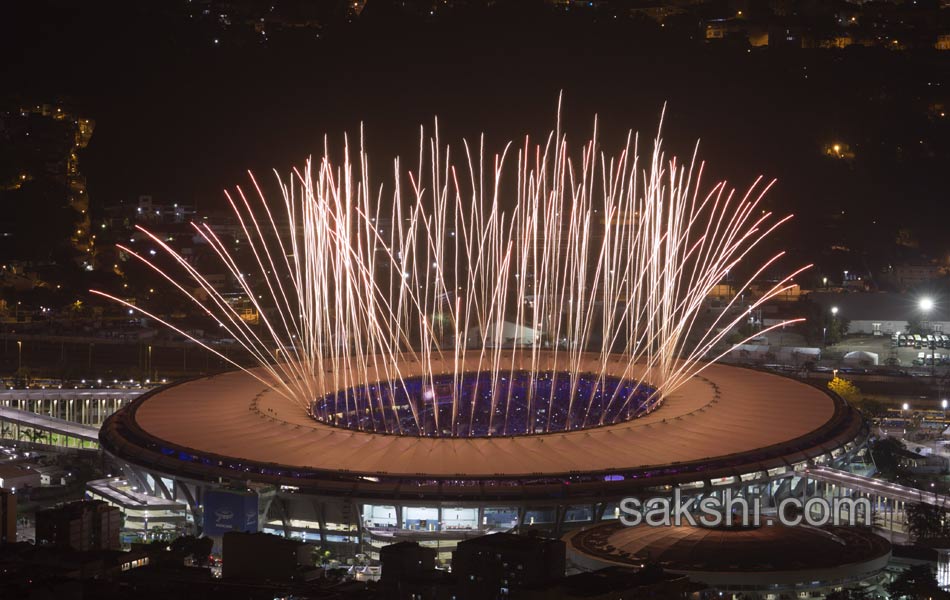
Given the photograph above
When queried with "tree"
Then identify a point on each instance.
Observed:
(926, 522)
(320, 555)
(885, 453)
(198, 548)
(39, 201)
(821, 326)
(848, 391)
(870, 408)
(914, 325)
(916, 583)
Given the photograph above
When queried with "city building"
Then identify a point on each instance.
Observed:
(149, 211)
(491, 566)
(17, 477)
(42, 571)
(83, 525)
(885, 313)
(405, 560)
(409, 571)
(265, 557)
(7, 517)
(142, 515)
(53, 475)
(909, 276)
(616, 583)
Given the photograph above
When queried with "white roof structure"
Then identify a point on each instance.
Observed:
(728, 414)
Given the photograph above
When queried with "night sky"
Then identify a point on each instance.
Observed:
(181, 117)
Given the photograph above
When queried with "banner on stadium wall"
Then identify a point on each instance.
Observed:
(226, 510)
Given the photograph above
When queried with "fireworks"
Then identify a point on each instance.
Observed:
(488, 296)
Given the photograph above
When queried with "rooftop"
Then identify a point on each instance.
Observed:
(869, 306)
(725, 549)
(509, 541)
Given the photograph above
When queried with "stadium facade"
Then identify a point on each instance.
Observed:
(243, 456)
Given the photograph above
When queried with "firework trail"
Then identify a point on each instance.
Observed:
(453, 305)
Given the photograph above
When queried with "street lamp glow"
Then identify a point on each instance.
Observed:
(905, 406)
(834, 310)
(926, 303)
(943, 404)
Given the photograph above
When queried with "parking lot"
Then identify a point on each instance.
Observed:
(857, 355)
(913, 354)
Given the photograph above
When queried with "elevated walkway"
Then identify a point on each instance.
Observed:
(15, 424)
(877, 487)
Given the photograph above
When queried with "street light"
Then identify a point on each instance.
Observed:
(824, 330)
(19, 356)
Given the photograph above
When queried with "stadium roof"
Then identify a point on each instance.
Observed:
(725, 412)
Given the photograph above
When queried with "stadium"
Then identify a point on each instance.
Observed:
(228, 445)
(458, 364)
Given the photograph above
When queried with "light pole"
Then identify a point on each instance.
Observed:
(824, 330)
(19, 356)
(926, 305)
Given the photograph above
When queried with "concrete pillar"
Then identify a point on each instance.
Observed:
(359, 526)
(321, 509)
(559, 514)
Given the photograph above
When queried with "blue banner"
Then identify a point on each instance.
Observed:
(226, 510)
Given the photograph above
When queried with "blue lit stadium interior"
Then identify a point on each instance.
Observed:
(516, 403)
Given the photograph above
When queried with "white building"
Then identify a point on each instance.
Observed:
(507, 335)
(16, 477)
(884, 313)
